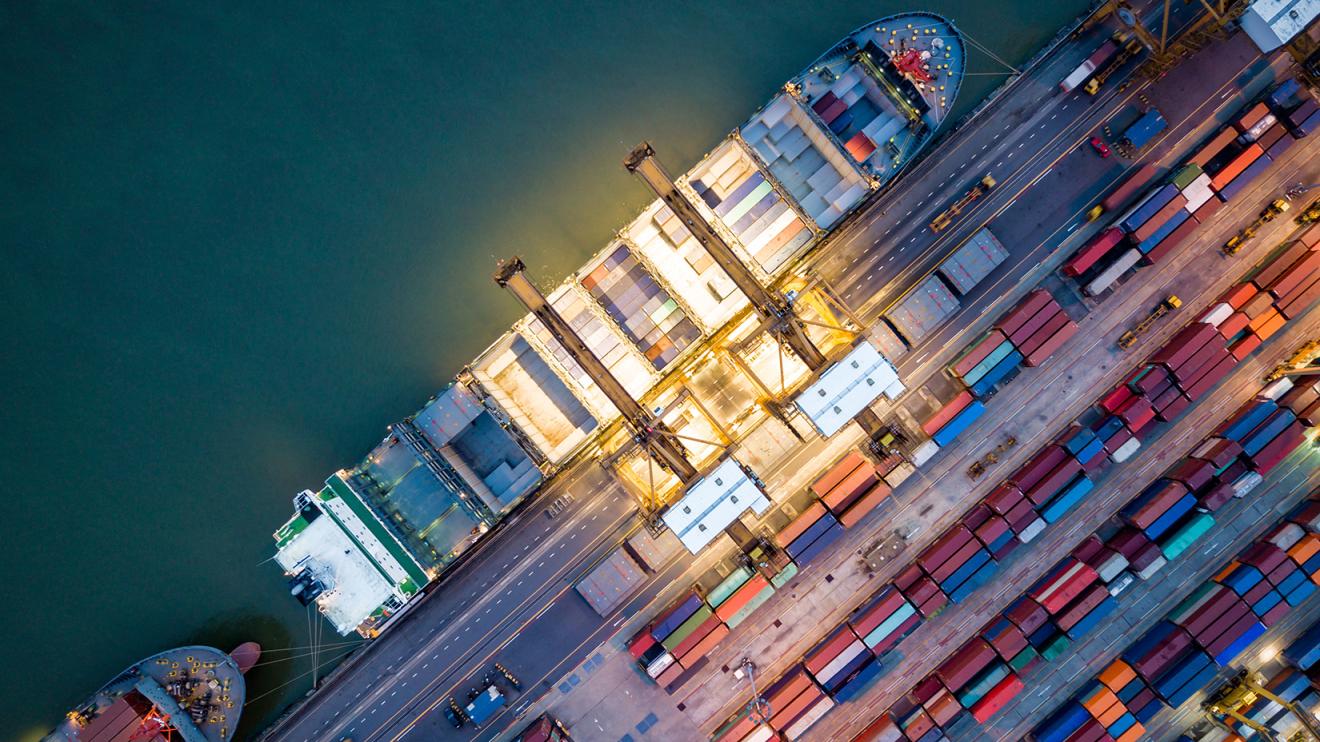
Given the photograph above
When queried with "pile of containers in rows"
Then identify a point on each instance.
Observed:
(1284, 682)
(1059, 476)
(1080, 591)
(851, 489)
(1027, 334)
(1167, 214)
(1210, 628)
(673, 647)
(1111, 707)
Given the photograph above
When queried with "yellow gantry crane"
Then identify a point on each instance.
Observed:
(1242, 691)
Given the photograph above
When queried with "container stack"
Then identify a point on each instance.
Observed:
(1037, 327)
(1112, 707)
(810, 533)
(1198, 358)
(851, 489)
(885, 620)
(1288, 684)
(972, 262)
(958, 562)
(953, 419)
(1093, 252)
(838, 660)
(796, 702)
(1053, 481)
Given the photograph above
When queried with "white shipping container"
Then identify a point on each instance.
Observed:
(1152, 568)
(1217, 314)
(659, 665)
(1278, 388)
(1112, 567)
(899, 474)
(1197, 196)
(1122, 583)
(762, 733)
(804, 722)
(1126, 451)
(1032, 531)
(1106, 279)
(1246, 483)
(924, 452)
(1287, 536)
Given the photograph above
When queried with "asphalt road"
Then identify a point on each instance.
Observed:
(504, 602)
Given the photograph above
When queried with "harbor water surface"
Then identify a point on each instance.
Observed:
(241, 239)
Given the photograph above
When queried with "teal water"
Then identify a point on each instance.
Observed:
(240, 239)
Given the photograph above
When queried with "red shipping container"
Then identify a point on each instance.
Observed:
(1210, 611)
(933, 604)
(1264, 556)
(1090, 253)
(1116, 441)
(1299, 275)
(1221, 452)
(1275, 614)
(1238, 296)
(1022, 515)
(1174, 408)
(1082, 606)
(1217, 497)
(852, 488)
(1008, 642)
(1174, 238)
(1002, 498)
(921, 591)
(991, 530)
(978, 352)
(1311, 237)
(1051, 346)
(1274, 267)
(1278, 449)
(970, 659)
(1236, 322)
(1184, 345)
(1311, 416)
(1088, 549)
(1261, 589)
(1147, 379)
(1207, 210)
(929, 687)
(1115, 399)
(1029, 328)
(1038, 467)
(1153, 224)
(998, 696)
(1163, 655)
(825, 652)
(942, 571)
(1244, 347)
(908, 577)
(865, 622)
(1213, 147)
(898, 634)
(806, 519)
(1030, 342)
(977, 516)
(1300, 302)
(1252, 117)
(1194, 473)
(1057, 480)
(1027, 615)
(944, 547)
(1024, 310)
(1208, 380)
(1145, 556)
(1128, 542)
(1137, 414)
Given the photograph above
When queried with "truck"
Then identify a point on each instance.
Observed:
(1143, 130)
(484, 704)
(1099, 60)
(945, 218)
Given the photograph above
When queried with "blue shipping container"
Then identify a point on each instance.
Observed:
(955, 427)
(1242, 578)
(1093, 619)
(1067, 499)
(1144, 129)
(1254, 416)
(1093, 449)
(1238, 184)
(1079, 440)
(1277, 423)
(1262, 606)
(1171, 516)
(1239, 645)
(1198, 681)
(1300, 593)
(827, 538)
(809, 536)
(1063, 723)
(1175, 221)
(833, 682)
(1148, 208)
(859, 682)
(1000, 373)
(976, 581)
(968, 568)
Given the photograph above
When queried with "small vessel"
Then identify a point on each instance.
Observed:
(192, 693)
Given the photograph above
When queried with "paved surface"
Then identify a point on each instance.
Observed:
(505, 602)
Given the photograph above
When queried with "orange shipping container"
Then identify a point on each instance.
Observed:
(1135, 733)
(837, 473)
(704, 646)
(1263, 319)
(741, 597)
(1271, 327)
(1305, 549)
(1235, 168)
(1239, 295)
(1112, 714)
(784, 716)
(1211, 148)
(846, 493)
(1117, 675)
(799, 524)
(868, 502)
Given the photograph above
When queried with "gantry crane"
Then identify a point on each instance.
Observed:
(776, 311)
(1304, 362)
(648, 431)
(1164, 52)
(1245, 689)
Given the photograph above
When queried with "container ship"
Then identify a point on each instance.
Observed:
(362, 546)
(192, 693)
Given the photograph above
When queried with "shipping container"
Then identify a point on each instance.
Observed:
(1108, 276)
(1142, 131)
(1131, 186)
(973, 261)
(1093, 251)
(923, 309)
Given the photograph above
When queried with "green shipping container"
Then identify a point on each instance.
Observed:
(992, 360)
(1057, 646)
(687, 627)
(982, 684)
(1195, 527)
(728, 586)
(1186, 175)
(1022, 659)
(783, 577)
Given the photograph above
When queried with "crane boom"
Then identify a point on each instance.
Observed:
(650, 432)
(772, 307)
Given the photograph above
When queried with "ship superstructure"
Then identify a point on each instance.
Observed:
(192, 693)
(661, 315)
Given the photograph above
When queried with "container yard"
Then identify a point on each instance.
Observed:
(942, 508)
